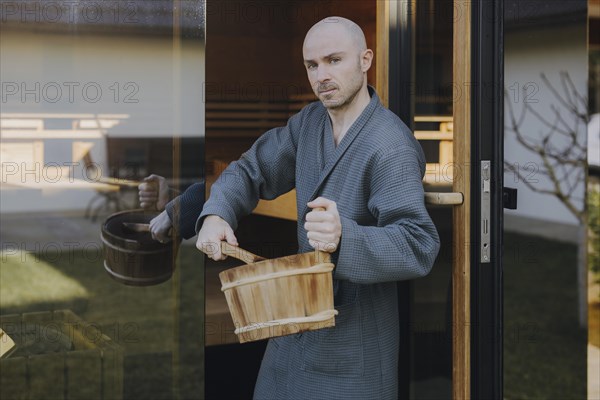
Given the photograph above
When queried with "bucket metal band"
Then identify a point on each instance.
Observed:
(315, 269)
(130, 251)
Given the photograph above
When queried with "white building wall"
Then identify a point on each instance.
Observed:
(147, 88)
(529, 53)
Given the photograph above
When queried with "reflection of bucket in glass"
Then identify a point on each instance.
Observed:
(134, 258)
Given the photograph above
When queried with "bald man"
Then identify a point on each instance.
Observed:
(349, 155)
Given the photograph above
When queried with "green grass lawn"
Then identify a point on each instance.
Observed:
(48, 287)
(142, 320)
(545, 349)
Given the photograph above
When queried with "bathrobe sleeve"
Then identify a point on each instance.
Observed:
(184, 210)
(265, 171)
(404, 243)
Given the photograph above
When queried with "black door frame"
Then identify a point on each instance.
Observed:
(487, 122)
(487, 127)
(402, 62)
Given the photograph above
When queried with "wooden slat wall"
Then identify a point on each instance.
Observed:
(461, 338)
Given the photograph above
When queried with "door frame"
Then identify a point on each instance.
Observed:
(395, 52)
(477, 312)
(487, 122)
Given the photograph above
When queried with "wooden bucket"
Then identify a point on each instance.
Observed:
(270, 298)
(134, 258)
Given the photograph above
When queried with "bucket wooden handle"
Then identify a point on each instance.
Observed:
(249, 258)
(239, 253)
(138, 227)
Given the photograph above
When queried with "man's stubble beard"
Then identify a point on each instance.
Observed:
(348, 100)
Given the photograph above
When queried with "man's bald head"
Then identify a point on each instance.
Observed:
(339, 25)
(337, 60)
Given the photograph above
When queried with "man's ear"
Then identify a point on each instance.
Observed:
(366, 59)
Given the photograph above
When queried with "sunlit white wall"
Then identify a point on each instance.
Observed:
(529, 53)
(146, 86)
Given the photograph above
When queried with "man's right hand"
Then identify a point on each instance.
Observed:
(160, 227)
(214, 230)
(154, 193)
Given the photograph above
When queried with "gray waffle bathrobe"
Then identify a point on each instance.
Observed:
(375, 177)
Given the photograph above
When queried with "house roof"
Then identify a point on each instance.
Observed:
(106, 16)
(523, 14)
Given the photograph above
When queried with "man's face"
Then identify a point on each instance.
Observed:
(334, 65)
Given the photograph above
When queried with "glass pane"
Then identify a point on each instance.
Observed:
(255, 80)
(96, 96)
(545, 274)
(431, 297)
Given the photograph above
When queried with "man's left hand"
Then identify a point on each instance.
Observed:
(324, 228)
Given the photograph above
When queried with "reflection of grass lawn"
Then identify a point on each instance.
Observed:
(141, 319)
(27, 282)
(134, 316)
(544, 347)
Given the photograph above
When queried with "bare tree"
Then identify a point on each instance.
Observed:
(562, 151)
(558, 143)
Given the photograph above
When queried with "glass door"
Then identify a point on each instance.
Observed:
(97, 96)
(444, 77)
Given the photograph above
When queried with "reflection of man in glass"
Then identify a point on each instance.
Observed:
(358, 161)
(180, 213)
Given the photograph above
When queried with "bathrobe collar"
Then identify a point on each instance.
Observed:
(328, 154)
